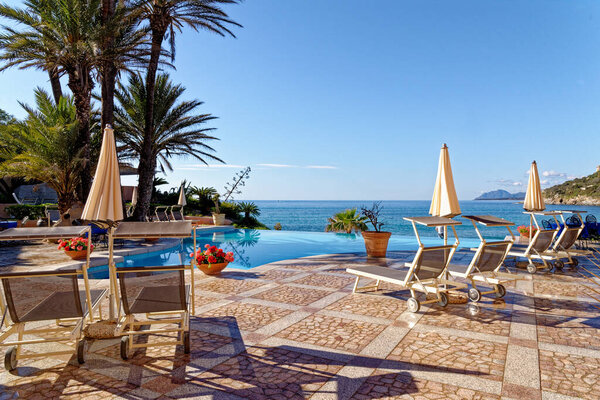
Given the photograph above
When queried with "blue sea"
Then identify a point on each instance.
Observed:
(312, 215)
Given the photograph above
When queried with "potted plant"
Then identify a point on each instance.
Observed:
(218, 218)
(76, 248)
(376, 241)
(525, 231)
(212, 260)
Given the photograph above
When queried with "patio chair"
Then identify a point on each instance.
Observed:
(31, 298)
(154, 296)
(538, 246)
(177, 213)
(52, 215)
(487, 261)
(565, 243)
(161, 213)
(426, 273)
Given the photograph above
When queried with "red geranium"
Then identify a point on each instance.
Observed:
(212, 255)
(77, 243)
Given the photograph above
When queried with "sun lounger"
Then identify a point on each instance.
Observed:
(538, 246)
(177, 213)
(426, 273)
(487, 260)
(161, 213)
(44, 296)
(564, 245)
(154, 296)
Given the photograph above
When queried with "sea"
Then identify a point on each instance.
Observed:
(312, 215)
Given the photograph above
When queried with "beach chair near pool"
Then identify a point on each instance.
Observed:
(177, 213)
(153, 295)
(161, 213)
(485, 266)
(538, 246)
(564, 245)
(426, 273)
(31, 297)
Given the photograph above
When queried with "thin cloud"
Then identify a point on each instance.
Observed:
(321, 167)
(277, 165)
(554, 174)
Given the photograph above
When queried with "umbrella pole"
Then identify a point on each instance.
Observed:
(111, 276)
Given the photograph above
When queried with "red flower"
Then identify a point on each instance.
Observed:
(207, 246)
(212, 259)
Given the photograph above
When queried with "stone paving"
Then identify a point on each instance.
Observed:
(293, 329)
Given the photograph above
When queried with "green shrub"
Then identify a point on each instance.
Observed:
(277, 226)
(20, 211)
(231, 210)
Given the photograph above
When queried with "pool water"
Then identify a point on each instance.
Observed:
(252, 248)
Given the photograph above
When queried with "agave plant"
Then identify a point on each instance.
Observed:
(347, 221)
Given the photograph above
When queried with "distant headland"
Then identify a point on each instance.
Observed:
(501, 194)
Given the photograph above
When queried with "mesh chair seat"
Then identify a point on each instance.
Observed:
(60, 305)
(158, 299)
(458, 268)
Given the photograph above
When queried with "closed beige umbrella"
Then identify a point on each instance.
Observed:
(104, 203)
(182, 202)
(534, 201)
(444, 202)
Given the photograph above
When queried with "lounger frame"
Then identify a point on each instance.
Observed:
(533, 251)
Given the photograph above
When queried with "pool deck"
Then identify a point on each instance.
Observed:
(294, 329)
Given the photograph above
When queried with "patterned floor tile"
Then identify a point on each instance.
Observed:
(332, 332)
(373, 305)
(248, 316)
(268, 373)
(570, 375)
(325, 280)
(568, 331)
(452, 353)
(228, 286)
(571, 308)
(277, 274)
(292, 295)
(560, 289)
(402, 385)
(458, 317)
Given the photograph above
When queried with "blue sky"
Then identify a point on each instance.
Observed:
(330, 99)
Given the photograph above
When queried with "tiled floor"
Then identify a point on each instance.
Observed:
(294, 329)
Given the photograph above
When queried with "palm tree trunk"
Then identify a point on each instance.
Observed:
(109, 71)
(81, 84)
(55, 83)
(147, 164)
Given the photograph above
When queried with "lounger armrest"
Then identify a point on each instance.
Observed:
(153, 269)
(60, 272)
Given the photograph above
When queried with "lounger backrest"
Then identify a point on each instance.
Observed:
(542, 240)
(152, 289)
(492, 255)
(177, 215)
(35, 296)
(568, 238)
(161, 213)
(430, 262)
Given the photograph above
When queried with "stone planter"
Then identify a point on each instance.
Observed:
(218, 219)
(212, 269)
(77, 254)
(376, 243)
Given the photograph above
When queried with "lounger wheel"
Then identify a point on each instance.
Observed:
(443, 300)
(575, 262)
(413, 305)
(559, 264)
(125, 347)
(81, 351)
(10, 358)
(474, 295)
(500, 291)
(474, 309)
(186, 342)
(531, 268)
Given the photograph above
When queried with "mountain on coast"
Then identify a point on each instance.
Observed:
(501, 194)
(585, 191)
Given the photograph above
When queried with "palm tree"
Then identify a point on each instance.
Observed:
(346, 221)
(164, 18)
(203, 193)
(61, 37)
(249, 209)
(45, 147)
(178, 128)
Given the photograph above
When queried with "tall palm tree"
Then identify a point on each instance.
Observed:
(165, 18)
(346, 221)
(178, 127)
(45, 147)
(64, 34)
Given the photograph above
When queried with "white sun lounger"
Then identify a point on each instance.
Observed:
(564, 244)
(426, 273)
(538, 246)
(487, 261)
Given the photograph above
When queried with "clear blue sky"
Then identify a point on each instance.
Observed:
(342, 99)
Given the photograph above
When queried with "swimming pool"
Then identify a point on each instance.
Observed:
(252, 248)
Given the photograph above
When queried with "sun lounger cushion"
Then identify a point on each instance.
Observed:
(60, 305)
(385, 273)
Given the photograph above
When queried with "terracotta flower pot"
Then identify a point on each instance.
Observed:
(212, 269)
(376, 243)
(218, 219)
(77, 254)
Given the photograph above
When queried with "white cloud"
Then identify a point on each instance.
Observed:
(277, 165)
(554, 174)
(321, 167)
(517, 183)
